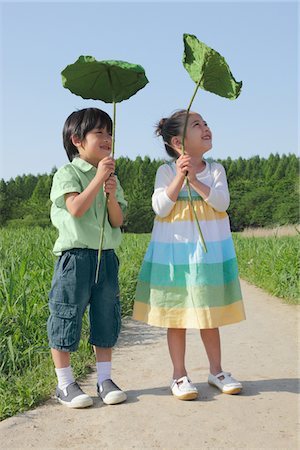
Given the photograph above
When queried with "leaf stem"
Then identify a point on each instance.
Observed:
(106, 196)
(188, 111)
(188, 185)
(113, 130)
(195, 215)
(186, 178)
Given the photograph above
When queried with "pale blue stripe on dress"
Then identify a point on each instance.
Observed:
(190, 253)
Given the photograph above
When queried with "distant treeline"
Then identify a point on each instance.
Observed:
(264, 192)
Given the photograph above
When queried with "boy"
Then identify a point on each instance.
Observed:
(77, 209)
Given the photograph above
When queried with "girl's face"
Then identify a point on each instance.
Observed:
(95, 146)
(198, 138)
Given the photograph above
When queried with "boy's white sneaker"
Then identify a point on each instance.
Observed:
(183, 389)
(73, 397)
(225, 382)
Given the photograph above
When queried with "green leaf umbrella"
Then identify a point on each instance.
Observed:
(209, 70)
(110, 81)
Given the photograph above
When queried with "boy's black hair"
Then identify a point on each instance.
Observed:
(79, 123)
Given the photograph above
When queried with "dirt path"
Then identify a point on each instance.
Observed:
(261, 352)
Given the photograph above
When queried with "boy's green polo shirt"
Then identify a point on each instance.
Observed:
(81, 232)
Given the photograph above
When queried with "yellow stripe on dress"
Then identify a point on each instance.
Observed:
(182, 211)
(199, 318)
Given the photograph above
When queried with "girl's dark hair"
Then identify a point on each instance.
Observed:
(79, 123)
(170, 127)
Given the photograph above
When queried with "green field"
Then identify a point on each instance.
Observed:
(272, 263)
(26, 268)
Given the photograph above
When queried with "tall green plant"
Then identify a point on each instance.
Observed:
(110, 81)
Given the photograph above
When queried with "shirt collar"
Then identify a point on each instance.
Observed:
(83, 165)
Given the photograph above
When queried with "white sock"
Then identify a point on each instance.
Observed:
(103, 371)
(64, 377)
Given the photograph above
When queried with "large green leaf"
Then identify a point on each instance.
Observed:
(205, 64)
(109, 81)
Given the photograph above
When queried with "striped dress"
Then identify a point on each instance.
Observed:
(179, 285)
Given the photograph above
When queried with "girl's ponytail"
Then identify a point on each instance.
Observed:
(170, 127)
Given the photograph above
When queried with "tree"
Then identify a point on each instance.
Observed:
(4, 203)
(263, 192)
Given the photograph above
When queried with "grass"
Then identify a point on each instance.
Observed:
(271, 263)
(26, 266)
(131, 254)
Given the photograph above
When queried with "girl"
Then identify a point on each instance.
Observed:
(179, 285)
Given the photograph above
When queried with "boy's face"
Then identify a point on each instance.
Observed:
(95, 146)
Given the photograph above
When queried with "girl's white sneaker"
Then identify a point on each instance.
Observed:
(183, 389)
(225, 382)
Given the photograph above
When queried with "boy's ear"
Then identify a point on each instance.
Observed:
(176, 143)
(75, 140)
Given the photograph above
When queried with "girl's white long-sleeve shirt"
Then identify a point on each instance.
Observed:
(213, 176)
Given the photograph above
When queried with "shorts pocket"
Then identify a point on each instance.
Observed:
(66, 263)
(117, 259)
(62, 325)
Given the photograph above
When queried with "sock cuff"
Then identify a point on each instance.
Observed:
(103, 371)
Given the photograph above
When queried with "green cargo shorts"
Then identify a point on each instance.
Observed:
(73, 290)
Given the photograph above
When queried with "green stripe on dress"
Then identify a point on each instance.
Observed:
(189, 274)
(184, 197)
(189, 297)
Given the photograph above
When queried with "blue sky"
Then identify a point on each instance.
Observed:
(38, 39)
